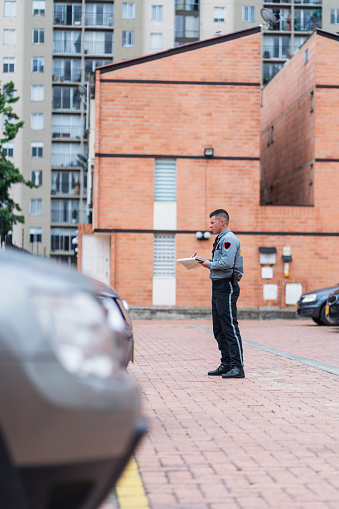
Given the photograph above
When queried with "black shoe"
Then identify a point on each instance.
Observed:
(223, 368)
(236, 372)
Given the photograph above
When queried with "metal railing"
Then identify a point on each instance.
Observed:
(66, 19)
(64, 216)
(284, 24)
(308, 2)
(62, 75)
(73, 47)
(273, 51)
(65, 160)
(189, 34)
(307, 26)
(98, 48)
(65, 188)
(99, 20)
(61, 104)
(66, 132)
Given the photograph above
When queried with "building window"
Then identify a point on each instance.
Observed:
(37, 121)
(38, 35)
(156, 12)
(61, 239)
(8, 64)
(8, 149)
(98, 43)
(164, 255)
(66, 182)
(35, 207)
(66, 69)
(66, 41)
(39, 7)
(9, 37)
(67, 14)
(10, 8)
(35, 235)
(99, 15)
(187, 26)
(37, 92)
(334, 16)
(219, 14)
(66, 98)
(306, 56)
(156, 41)
(127, 39)
(165, 180)
(37, 149)
(65, 211)
(36, 177)
(248, 14)
(128, 10)
(38, 64)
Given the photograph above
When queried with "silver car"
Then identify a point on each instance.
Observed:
(69, 410)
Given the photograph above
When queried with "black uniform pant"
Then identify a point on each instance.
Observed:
(225, 323)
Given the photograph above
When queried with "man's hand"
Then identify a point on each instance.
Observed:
(205, 264)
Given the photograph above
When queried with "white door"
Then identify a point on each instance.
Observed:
(95, 257)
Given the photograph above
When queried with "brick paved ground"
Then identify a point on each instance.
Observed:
(270, 440)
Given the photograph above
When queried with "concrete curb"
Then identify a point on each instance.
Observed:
(203, 313)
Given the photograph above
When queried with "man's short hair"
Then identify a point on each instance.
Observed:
(221, 214)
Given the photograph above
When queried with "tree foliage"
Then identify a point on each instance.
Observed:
(9, 174)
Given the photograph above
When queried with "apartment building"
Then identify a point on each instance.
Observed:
(51, 48)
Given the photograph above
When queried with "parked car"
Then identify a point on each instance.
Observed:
(312, 304)
(118, 318)
(332, 308)
(69, 410)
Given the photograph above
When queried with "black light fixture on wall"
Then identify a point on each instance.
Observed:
(208, 152)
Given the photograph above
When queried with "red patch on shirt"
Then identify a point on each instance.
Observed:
(218, 247)
(227, 245)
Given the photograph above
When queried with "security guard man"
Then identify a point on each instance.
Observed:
(226, 269)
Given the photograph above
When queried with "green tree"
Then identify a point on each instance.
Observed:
(9, 174)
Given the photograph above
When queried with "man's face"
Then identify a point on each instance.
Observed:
(217, 225)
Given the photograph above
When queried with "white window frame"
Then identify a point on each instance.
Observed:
(128, 39)
(39, 7)
(9, 62)
(9, 37)
(335, 16)
(38, 148)
(8, 149)
(37, 93)
(248, 12)
(128, 10)
(164, 255)
(219, 14)
(36, 177)
(10, 8)
(40, 64)
(36, 232)
(156, 41)
(35, 207)
(156, 12)
(39, 31)
(37, 121)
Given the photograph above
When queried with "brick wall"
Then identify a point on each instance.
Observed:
(141, 115)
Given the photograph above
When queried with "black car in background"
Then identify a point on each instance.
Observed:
(312, 305)
(332, 308)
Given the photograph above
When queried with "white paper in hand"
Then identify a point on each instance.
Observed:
(189, 263)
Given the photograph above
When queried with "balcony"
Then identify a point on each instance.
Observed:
(65, 160)
(99, 20)
(283, 23)
(66, 75)
(277, 1)
(72, 133)
(65, 216)
(274, 51)
(308, 2)
(98, 48)
(307, 26)
(67, 19)
(73, 47)
(62, 104)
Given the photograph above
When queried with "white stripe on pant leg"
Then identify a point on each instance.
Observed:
(235, 334)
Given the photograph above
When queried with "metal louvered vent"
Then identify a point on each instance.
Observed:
(165, 180)
(164, 255)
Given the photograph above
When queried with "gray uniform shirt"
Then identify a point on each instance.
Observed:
(227, 255)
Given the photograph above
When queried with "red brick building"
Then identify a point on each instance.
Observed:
(154, 186)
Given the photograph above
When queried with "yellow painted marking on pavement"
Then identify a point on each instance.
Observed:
(130, 489)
